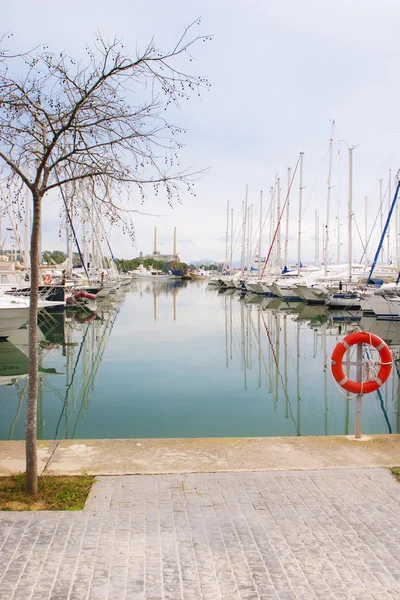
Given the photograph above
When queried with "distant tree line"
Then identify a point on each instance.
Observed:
(133, 263)
(56, 257)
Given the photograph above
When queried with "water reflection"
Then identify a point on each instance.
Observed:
(273, 340)
(170, 359)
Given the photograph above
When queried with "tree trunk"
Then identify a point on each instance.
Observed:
(31, 482)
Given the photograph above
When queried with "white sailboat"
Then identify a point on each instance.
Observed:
(14, 312)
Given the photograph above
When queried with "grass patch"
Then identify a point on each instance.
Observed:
(396, 472)
(55, 493)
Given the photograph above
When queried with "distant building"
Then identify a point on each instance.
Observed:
(174, 257)
(163, 257)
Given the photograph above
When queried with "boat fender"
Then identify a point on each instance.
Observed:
(84, 295)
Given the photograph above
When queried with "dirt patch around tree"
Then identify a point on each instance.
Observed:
(55, 493)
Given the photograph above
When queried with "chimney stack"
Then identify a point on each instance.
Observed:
(174, 252)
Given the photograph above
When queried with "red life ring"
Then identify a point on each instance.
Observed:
(361, 337)
(47, 279)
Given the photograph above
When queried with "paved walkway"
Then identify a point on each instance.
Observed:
(225, 536)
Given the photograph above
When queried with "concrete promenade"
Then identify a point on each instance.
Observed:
(267, 532)
(204, 455)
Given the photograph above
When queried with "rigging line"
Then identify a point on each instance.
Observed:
(262, 230)
(72, 227)
(237, 237)
(372, 230)
(359, 235)
(238, 234)
(106, 238)
(72, 380)
(373, 227)
(397, 365)
(279, 372)
(316, 181)
(280, 219)
(21, 397)
(261, 352)
(382, 239)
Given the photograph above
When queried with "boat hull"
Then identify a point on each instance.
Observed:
(150, 276)
(12, 319)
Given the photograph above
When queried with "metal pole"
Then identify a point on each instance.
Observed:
(366, 226)
(316, 236)
(278, 240)
(359, 396)
(231, 267)
(287, 219)
(350, 224)
(338, 232)
(259, 241)
(226, 241)
(251, 239)
(248, 238)
(300, 209)
(328, 201)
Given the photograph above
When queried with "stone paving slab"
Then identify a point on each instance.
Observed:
(202, 455)
(217, 536)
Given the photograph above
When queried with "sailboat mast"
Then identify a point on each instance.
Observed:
(287, 218)
(273, 190)
(259, 241)
(350, 224)
(244, 209)
(366, 226)
(278, 212)
(328, 201)
(230, 263)
(300, 209)
(338, 231)
(251, 239)
(226, 244)
(248, 238)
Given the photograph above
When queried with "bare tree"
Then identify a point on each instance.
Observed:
(99, 122)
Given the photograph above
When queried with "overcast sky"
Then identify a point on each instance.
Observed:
(280, 72)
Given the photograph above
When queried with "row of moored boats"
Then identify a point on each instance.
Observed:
(332, 287)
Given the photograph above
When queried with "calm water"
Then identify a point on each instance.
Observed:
(173, 360)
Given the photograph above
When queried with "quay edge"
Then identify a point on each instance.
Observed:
(204, 455)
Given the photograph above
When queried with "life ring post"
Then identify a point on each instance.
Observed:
(359, 387)
(359, 397)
